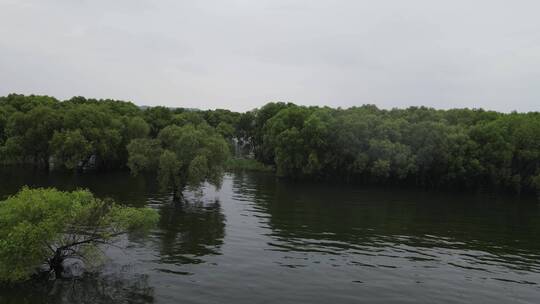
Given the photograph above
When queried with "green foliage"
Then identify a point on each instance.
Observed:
(70, 148)
(99, 126)
(136, 127)
(226, 130)
(158, 118)
(168, 170)
(535, 181)
(182, 156)
(4, 115)
(187, 118)
(245, 127)
(432, 148)
(262, 115)
(34, 128)
(30, 133)
(142, 155)
(44, 227)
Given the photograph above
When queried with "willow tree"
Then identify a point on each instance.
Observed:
(183, 157)
(42, 228)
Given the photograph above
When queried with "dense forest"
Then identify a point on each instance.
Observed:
(457, 148)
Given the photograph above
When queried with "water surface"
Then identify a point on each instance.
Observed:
(261, 240)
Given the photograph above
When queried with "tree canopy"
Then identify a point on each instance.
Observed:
(41, 228)
(182, 156)
(457, 148)
(461, 148)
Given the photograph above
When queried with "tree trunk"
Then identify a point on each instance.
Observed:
(56, 264)
(35, 162)
(178, 197)
(46, 163)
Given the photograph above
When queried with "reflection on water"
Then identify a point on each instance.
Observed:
(88, 289)
(261, 240)
(190, 231)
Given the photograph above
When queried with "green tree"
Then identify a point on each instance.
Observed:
(70, 149)
(215, 117)
(3, 121)
(135, 127)
(182, 156)
(418, 145)
(100, 127)
(188, 117)
(143, 155)
(245, 127)
(32, 131)
(226, 130)
(262, 115)
(42, 228)
(158, 118)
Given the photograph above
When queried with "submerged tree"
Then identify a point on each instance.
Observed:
(42, 228)
(182, 156)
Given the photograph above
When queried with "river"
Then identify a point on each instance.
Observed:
(262, 240)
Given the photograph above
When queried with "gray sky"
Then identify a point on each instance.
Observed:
(241, 54)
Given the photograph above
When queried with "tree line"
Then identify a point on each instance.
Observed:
(41, 130)
(457, 148)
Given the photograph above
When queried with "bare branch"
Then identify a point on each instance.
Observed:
(96, 239)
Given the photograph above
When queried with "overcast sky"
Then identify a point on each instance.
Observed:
(242, 54)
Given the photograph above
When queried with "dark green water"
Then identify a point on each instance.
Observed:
(259, 240)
